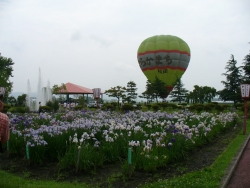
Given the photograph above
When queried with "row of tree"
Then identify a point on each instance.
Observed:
(235, 75)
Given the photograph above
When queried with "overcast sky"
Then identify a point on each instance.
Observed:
(94, 43)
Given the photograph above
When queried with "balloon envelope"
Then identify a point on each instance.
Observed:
(164, 56)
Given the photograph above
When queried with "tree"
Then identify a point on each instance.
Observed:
(179, 93)
(201, 94)
(246, 69)
(21, 100)
(5, 74)
(160, 89)
(117, 92)
(11, 100)
(231, 92)
(56, 89)
(131, 92)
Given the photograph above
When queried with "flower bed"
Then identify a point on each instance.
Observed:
(89, 139)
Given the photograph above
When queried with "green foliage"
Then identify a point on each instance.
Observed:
(172, 105)
(231, 92)
(54, 105)
(6, 108)
(18, 109)
(11, 100)
(117, 92)
(219, 108)
(6, 70)
(50, 104)
(131, 92)
(179, 93)
(148, 106)
(108, 106)
(164, 105)
(246, 69)
(79, 107)
(208, 107)
(81, 101)
(21, 100)
(155, 107)
(201, 94)
(56, 89)
(46, 109)
(127, 107)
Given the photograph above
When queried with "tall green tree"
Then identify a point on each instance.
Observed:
(179, 93)
(231, 91)
(6, 70)
(149, 93)
(118, 92)
(131, 92)
(246, 69)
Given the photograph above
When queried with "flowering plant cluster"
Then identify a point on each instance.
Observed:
(156, 138)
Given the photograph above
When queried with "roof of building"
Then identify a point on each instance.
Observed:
(75, 89)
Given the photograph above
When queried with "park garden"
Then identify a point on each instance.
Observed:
(84, 142)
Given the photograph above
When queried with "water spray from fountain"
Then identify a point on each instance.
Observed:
(28, 101)
(44, 94)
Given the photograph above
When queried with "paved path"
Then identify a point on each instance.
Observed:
(239, 175)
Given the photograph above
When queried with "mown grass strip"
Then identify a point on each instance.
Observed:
(11, 181)
(208, 177)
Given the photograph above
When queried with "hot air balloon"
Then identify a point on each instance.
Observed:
(165, 57)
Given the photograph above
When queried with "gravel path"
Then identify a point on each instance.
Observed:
(241, 175)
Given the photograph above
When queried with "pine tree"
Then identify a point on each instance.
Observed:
(231, 92)
(246, 69)
(179, 93)
(131, 92)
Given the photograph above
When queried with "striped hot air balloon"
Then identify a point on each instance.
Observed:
(164, 56)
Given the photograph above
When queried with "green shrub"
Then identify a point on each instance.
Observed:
(199, 108)
(148, 106)
(108, 107)
(239, 105)
(164, 105)
(138, 107)
(155, 107)
(219, 108)
(6, 108)
(173, 105)
(18, 109)
(50, 104)
(208, 108)
(45, 109)
(127, 107)
(183, 104)
(55, 105)
(79, 107)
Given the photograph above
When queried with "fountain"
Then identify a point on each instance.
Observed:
(28, 100)
(44, 94)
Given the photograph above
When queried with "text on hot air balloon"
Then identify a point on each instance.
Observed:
(162, 71)
(159, 60)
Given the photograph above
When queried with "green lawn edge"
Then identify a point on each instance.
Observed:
(209, 176)
(8, 180)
